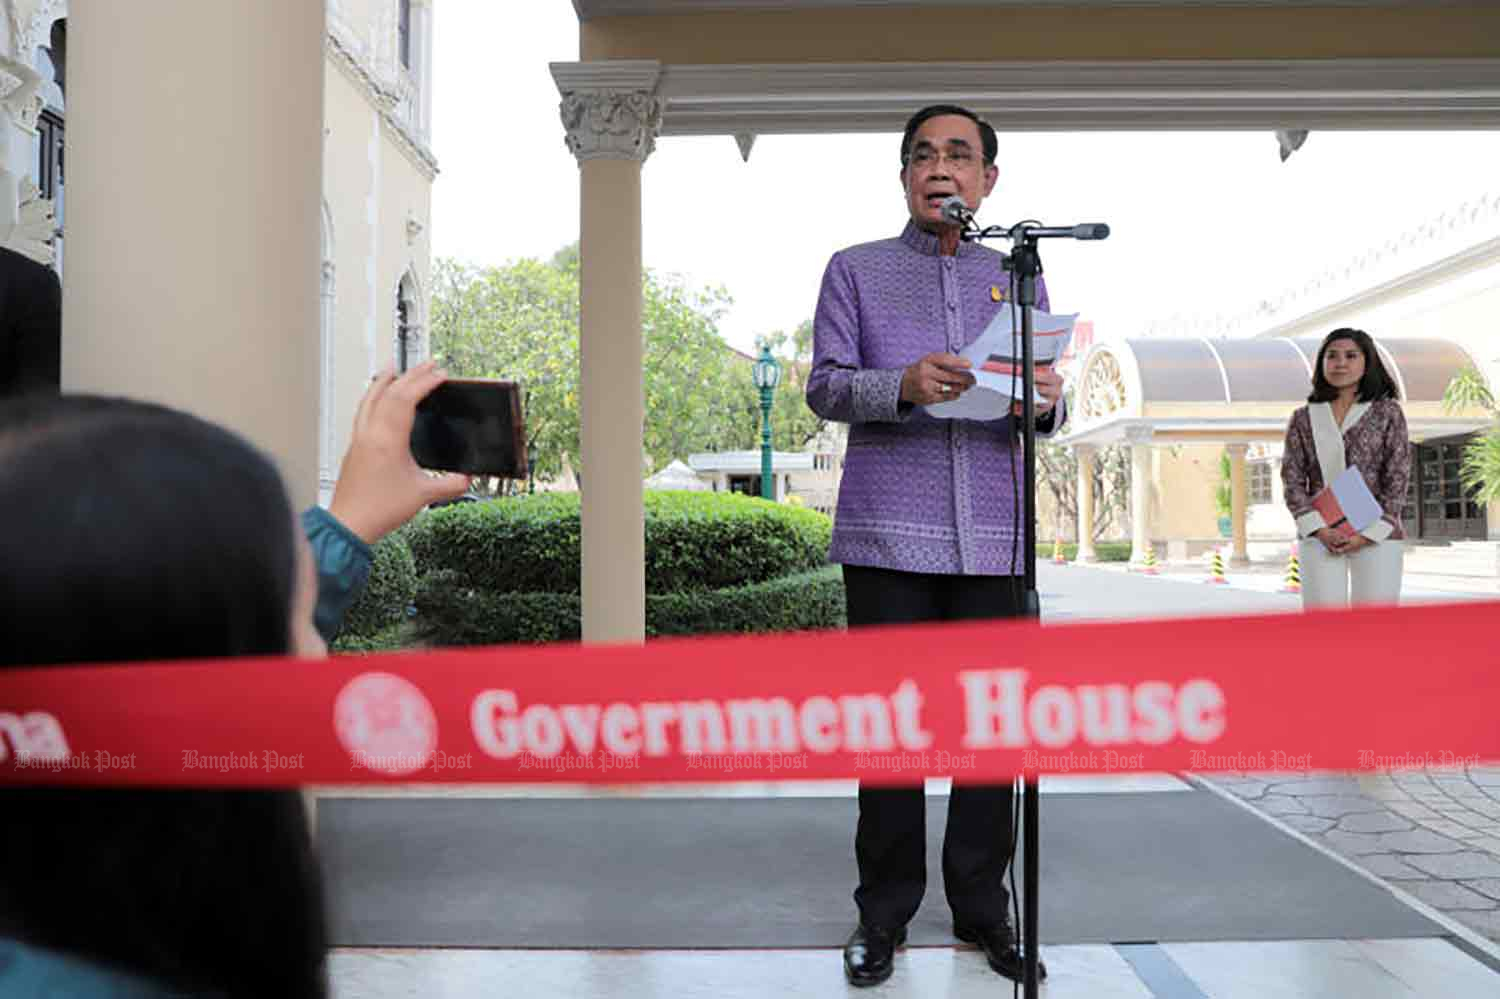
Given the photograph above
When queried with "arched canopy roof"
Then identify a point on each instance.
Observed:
(1196, 390)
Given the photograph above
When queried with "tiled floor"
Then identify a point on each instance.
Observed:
(1318, 969)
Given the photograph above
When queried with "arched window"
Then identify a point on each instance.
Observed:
(411, 343)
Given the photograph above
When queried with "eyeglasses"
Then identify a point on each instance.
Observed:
(928, 158)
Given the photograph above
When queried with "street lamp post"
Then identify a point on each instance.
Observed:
(767, 373)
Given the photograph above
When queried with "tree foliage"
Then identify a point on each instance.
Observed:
(521, 321)
(1057, 472)
(1480, 472)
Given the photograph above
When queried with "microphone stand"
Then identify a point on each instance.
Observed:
(1025, 262)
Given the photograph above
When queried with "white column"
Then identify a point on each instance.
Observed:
(1140, 492)
(1239, 504)
(612, 116)
(1085, 456)
(195, 144)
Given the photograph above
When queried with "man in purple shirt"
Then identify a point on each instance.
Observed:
(929, 514)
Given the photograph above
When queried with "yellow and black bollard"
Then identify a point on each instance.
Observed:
(1292, 581)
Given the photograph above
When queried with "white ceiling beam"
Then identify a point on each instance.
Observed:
(1052, 96)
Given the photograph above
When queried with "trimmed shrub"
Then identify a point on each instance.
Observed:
(1107, 551)
(388, 639)
(806, 601)
(694, 542)
(452, 613)
(392, 585)
(519, 544)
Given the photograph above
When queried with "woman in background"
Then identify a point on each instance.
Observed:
(1353, 417)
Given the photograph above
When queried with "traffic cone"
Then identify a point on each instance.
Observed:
(1216, 568)
(1292, 581)
(1149, 564)
(1057, 555)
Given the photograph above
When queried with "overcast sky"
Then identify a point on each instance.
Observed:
(1202, 223)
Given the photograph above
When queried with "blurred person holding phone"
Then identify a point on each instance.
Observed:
(135, 532)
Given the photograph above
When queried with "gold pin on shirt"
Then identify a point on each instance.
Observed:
(996, 295)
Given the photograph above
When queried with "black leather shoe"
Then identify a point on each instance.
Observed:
(999, 945)
(869, 956)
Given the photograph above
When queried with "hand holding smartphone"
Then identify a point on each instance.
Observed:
(473, 426)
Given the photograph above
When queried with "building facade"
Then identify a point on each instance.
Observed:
(378, 171)
(1430, 298)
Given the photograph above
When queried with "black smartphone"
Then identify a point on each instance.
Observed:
(473, 426)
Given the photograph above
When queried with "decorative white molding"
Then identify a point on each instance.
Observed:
(35, 32)
(610, 110)
(386, 101)
(1102, 392)
(414, 229)
(36, 229)
(20, 94)
(1054, 96)
(1453, 242)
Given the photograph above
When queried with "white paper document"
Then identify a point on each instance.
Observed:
(996, 357)
(1360, 506)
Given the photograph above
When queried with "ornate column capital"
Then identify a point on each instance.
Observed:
(610, 109)
(1139, 434)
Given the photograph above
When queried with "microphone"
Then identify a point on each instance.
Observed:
(1088, 230)
(955, 211)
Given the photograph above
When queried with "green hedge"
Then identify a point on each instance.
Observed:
(806, 601)
(388, 639)
(452, 613)
(694, 542)
(1107, 551)
(392, 585)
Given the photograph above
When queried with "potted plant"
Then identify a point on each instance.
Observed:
(1224, 497)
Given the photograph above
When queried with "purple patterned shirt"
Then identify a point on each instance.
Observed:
(919, 494)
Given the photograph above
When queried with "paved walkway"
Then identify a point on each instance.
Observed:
(1431, 830)
(1431, 834)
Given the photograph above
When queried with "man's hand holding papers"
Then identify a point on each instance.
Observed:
(995, 360)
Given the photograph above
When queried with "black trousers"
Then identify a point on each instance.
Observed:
(890, 843)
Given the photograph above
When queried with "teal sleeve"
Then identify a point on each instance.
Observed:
(343, 563)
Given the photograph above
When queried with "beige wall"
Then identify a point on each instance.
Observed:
(371, 187)
(958, 34)
(1182, 494)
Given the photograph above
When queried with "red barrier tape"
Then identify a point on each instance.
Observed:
(1330, 691)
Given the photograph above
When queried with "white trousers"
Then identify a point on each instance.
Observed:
(1371, 575)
